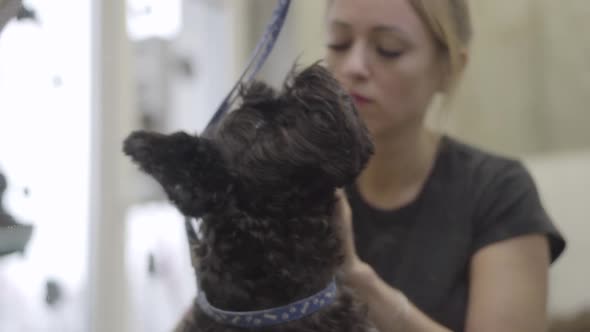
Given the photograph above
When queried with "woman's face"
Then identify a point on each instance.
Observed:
(384, 56)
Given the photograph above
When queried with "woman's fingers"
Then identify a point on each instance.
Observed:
(343, 218)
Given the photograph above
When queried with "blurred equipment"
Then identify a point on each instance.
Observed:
(53, 292)
(13, 236)
(26, 13)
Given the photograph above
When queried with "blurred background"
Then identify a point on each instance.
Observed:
(107, 253)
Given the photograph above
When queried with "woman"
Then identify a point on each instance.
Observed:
(440, 236)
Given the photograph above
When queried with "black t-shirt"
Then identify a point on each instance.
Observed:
(471, 199)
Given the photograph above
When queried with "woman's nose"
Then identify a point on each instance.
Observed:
(356, 64)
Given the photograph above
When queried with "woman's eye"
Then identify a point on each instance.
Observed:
(389, 54)
(339, 47)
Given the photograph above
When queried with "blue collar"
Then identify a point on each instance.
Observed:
(248, 319)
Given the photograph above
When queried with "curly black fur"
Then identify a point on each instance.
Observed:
(264, 187)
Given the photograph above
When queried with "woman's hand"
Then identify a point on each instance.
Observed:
(343, 217)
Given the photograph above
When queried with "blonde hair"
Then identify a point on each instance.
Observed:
(449, 23)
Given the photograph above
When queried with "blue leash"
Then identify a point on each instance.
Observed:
(258, 58)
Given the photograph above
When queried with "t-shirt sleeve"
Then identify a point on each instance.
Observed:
(510, 206)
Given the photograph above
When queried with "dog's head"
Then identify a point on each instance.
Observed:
(294, 147)
(279, 152)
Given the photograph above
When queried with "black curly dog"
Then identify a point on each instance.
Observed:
(264, 186)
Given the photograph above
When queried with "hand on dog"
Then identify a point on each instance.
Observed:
(343, 218)
(354, 272)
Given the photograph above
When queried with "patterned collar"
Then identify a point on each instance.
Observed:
(269, 317)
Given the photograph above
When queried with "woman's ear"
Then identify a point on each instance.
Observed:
(463, 58)
(462, 61)
(190, 169)
(449, 72)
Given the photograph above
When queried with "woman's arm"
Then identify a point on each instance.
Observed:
(389, 309)
(509, 282)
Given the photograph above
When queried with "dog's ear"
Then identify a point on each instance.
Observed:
(314, 87)
(333, 127)
(258, 95)
(190, 169)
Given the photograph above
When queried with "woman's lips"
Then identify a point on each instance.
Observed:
(360, 99)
